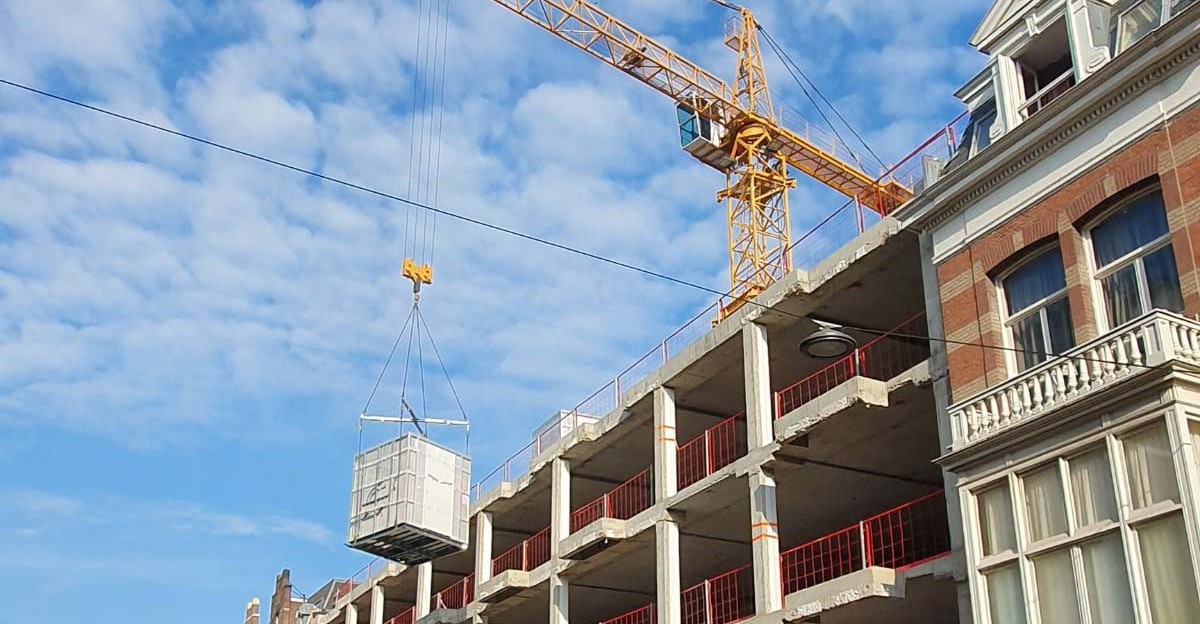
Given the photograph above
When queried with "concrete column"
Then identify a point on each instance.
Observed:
(666, 539)
(560, 503)
(377, 604)
(760, 418)
(483, 549)
(666, 445)
(560, 527)
(424, 589)
(764, 542)
(351, 613)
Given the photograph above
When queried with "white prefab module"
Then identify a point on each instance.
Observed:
(410, 500)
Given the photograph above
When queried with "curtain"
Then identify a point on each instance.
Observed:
(1142, 221)
(1162, 280)
(1107, 581)
(1037, 279)
(1122, 298)
(1149, 468)
(1045, 504)
(1056, 597)
(1028, 338)
(1091, 488)
(996, 521)
(1167, 565)
(1005, 601)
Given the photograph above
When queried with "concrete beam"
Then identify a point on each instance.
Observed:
(665, 445)
(760, 418)
(377, 602)
(666, 537)
(764, 543)
(424, 589)
(483, 549)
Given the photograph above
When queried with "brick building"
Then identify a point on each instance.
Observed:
(1062, 266)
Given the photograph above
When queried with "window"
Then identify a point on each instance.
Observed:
(1039, 316)
(1100, 531)
(1134, 20)
(1046, 69)
(1045, 505)
(1149, 468)
(996, 521)
(1006, 601)
(1168, 568)
(1135, 263)
(981, 127)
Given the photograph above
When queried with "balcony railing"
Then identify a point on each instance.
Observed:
(721, 599)
(711, 451)
(901, 348)
(1048, 93)
(408, 617)
(621, 503)
(456, 596)
(902, 537)
(525, 556)
(1145, 342)
(641, 615)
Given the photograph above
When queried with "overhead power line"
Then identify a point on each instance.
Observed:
(514, 233)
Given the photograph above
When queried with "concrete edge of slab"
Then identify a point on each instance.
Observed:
(866, 583)
(869, 392)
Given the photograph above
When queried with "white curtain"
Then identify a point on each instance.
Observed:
(1092, 488)
(1005, 600)
(1056, 597)
(1045, 504)
(1167, 564)
(996, 521)
(1149, 467)
(1107, 581)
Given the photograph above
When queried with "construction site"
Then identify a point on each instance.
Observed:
(969, 394)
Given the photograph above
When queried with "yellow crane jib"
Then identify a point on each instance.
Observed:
(419, 274)
(732, 129)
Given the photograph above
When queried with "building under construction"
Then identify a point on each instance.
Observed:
(1008, 430)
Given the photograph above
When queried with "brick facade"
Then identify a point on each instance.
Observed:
(969, 299)
(283, 608)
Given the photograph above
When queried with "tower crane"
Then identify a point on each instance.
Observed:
(733, 129)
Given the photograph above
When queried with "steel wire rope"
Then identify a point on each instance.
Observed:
(427, 57)
(441, 108)
(791, 65)
(450, 382)
(386, 363)
(404, 381)
(524, 236)
(412, 134)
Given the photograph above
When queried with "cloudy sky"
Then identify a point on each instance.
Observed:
(187, 336)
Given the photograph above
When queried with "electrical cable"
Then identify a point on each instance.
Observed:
(515, 233)
(790, 64)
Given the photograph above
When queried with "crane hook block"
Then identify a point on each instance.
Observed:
(419, 274)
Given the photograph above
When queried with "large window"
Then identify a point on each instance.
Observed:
(1135, 263)
(1046, 69)
(1094, 536)
(1039, 316)
(1133, 19)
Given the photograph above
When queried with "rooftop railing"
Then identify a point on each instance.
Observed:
(826, 236)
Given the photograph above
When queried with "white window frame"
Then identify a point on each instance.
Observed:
(1126, 525)
(1135, 257)
(1037, 307)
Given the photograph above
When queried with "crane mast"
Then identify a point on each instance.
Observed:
(732, 129)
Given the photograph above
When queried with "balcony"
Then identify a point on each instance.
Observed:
(602, 521)
(512, 570)
(719, 446)
(1129, 351)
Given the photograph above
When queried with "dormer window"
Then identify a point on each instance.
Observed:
(1134, 20)
(1046, 68)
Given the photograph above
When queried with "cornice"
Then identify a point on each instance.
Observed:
(1006, 161)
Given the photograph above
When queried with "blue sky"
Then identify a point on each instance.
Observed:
(186, 337)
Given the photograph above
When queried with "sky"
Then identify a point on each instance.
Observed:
(187, 336)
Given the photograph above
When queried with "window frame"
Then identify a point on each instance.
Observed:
(1126, 527)
(1135, 257)
(1038, 307)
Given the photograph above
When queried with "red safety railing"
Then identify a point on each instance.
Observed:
(711, 451)
(344, 588)
(525, 556)
(901, 348)
(641, 615)
(826, 236)
(907, 535)
(622, 502)
(726, 598)
(408, 617)
(456, 596)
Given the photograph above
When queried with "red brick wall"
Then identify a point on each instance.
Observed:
(281, 601)
(970, 305)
